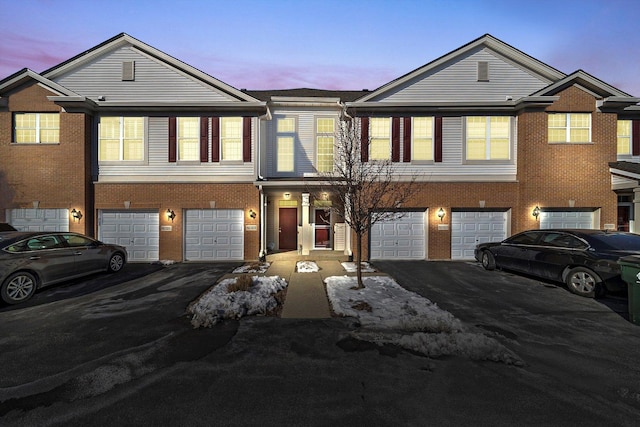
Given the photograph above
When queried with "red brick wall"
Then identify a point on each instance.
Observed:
(177, 197)
(54, 174)
(552, 174)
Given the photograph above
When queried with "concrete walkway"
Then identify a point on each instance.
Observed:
(306, 294)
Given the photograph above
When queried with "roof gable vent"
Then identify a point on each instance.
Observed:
(483, 71)
(128, 71)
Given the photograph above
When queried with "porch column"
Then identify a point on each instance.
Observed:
(636, 211)
(307, 231)
(263, 225)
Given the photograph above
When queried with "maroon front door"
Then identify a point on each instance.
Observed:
(288, 232)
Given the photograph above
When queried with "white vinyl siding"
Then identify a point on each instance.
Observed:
(422, 138)
(188, 138)
(624, 137)
(121, 138)
(569, 127)
(457, 81)
(231, 138)
(155, 81)
(286, 128)
(488, 138)
(325, 138)
(37, 128)
(380, 138)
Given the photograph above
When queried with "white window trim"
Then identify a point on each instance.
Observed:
(220, 141)
(145, 154)
(568, 130)
(510, 160)
(292, 135)
(324, 134)
(433, 137)
(37, 128)
(371, 138)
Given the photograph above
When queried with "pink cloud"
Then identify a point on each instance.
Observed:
(19, 51)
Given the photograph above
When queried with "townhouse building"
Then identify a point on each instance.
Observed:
(135, 147)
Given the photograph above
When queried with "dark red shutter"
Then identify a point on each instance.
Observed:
(437, 140)
(215, 139)
(246, 139)
(204, 139)
(406, 140)
(173, 140)
(395, 139)
(364, 139)
(635, 137)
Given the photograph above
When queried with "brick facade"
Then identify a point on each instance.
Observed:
(177, 197)
(56, 175)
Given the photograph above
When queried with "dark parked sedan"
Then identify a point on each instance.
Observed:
(585, 260)
(32, 260)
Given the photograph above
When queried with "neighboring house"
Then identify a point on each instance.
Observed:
(127, 135)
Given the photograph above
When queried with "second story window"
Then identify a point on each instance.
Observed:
(624, 137)
(422, 138)
(325, 136)
(487, 138)
(36, 128)
(189, 138)
(569, 127)
(285, 140)
(380, 138)
(121, 138)
(231, 138)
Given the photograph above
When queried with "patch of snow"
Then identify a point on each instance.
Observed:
(396, 316)
(253, 268)
(217, 304)
(307, 267)
(351, 267)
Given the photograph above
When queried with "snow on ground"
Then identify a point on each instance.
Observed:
(307, 267)
(217, 304)
(389, 314)
(261, 267)
(351, 267)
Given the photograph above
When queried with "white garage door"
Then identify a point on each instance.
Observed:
(214, 235)
(137, 231)
(470, 228)
(567, 219)
(400, 238)
(39, 219)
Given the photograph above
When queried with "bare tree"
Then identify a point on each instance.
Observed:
(364, 192)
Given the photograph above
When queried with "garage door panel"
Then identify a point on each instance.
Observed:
(137, 231)
(39, 219)
(214, 234)
(469, 228)
(402, 237)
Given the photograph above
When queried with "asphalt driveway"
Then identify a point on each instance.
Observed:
(127, 355)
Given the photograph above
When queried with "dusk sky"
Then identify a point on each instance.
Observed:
(329, 44)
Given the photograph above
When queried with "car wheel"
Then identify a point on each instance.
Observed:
(583, 282)
(18, 288)
(116, 262)
(488, 261)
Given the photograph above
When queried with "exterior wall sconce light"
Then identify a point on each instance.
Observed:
(441, 213)
(171, 214)
(536, 212)
(77, 215)
(252, 214)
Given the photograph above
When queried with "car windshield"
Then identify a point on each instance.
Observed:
(621, 242)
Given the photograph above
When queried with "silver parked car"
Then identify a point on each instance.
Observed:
(32, 260)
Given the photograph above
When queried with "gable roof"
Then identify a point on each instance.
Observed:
(124, 39)
(21, 77)
(486, 40)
